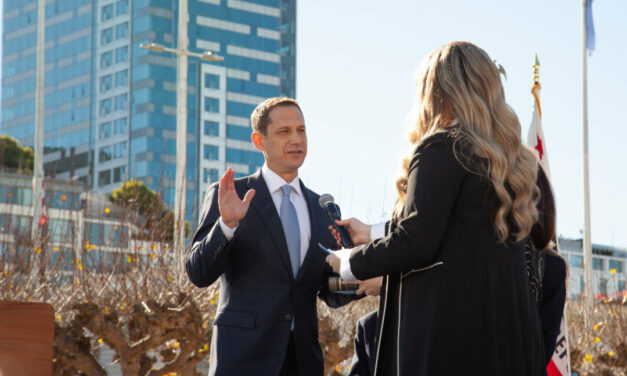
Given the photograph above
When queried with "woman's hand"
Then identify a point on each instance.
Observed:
(334, 262)
(358, 231)
(370, 287)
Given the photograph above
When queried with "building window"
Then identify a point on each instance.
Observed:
(104, 178)
(236, 132)
(105, 106)
(119, 150)
(121, 78)
(121, 102)
(121, 31)
(211, 152)
(212, 105)
(212, 81)
(210, 175)
(576, 261)
(212, 128)
(121, 126)
(105, 130)
(118, 174)
(121, 7)
(121, 54)
(106, 59)
(106, 13)
(104, 154)
(106, 36)
(105, 83)
(597, 263)
(617, 265)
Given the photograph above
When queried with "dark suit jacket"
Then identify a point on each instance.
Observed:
(259, 296)
(363, 358)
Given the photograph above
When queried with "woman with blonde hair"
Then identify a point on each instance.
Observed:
(456, 298)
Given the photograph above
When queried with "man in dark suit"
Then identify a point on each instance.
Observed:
(265, 251)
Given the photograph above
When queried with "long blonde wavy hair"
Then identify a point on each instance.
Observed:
(460, 81)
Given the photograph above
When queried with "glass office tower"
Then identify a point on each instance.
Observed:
(110, 106)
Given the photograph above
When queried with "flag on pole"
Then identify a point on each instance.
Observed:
(535, 137)
(590, 36)
(560, 362)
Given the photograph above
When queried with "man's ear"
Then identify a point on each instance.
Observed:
(256, 138)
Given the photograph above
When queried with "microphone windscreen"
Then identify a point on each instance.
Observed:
(325, 199)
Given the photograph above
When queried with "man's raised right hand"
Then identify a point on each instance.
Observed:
(232, 209)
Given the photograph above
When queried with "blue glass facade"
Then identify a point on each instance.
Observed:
(111, 105)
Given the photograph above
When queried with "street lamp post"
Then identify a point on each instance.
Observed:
(181, 126)
(38, 167)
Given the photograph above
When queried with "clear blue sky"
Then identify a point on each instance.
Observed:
(356, 66)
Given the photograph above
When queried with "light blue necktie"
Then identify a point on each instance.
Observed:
(289, 219)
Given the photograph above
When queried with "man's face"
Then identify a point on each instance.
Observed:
(285, 143)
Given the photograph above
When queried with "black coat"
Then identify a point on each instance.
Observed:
(552, 302)
(258, 293)
(455, 301)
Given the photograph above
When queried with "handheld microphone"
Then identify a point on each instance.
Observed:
(333, 211)
(337, 285)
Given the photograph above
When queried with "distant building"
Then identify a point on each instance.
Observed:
(110, 106)
(81, 226)
(608, 269)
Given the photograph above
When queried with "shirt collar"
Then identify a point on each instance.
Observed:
(275, 182)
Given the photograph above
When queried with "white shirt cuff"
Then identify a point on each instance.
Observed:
(226, 230)
(377, 231)
(345, 265)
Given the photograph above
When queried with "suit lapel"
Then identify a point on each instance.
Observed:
(263, 204)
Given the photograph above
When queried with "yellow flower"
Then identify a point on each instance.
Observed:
(154, 246)
(30, 299)
(129, 259)
(597, 340)
(338, 368)
(100, 341)
(206, 347)
(175, 344)
(107, 210)
(212, 301)
(587, 358)
(611, 353)
(597, 325)
(105, 310)
(58, 317)
(153, 255)
(612, 271)
(78, 281)
(55, 249)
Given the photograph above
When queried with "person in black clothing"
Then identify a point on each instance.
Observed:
(552, 292)
(456, 297)
(362, 363)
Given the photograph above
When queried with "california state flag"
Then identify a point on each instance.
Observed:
(560, 362)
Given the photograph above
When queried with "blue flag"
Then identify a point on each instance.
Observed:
(590, 38)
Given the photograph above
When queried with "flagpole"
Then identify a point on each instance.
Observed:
(587, 246)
